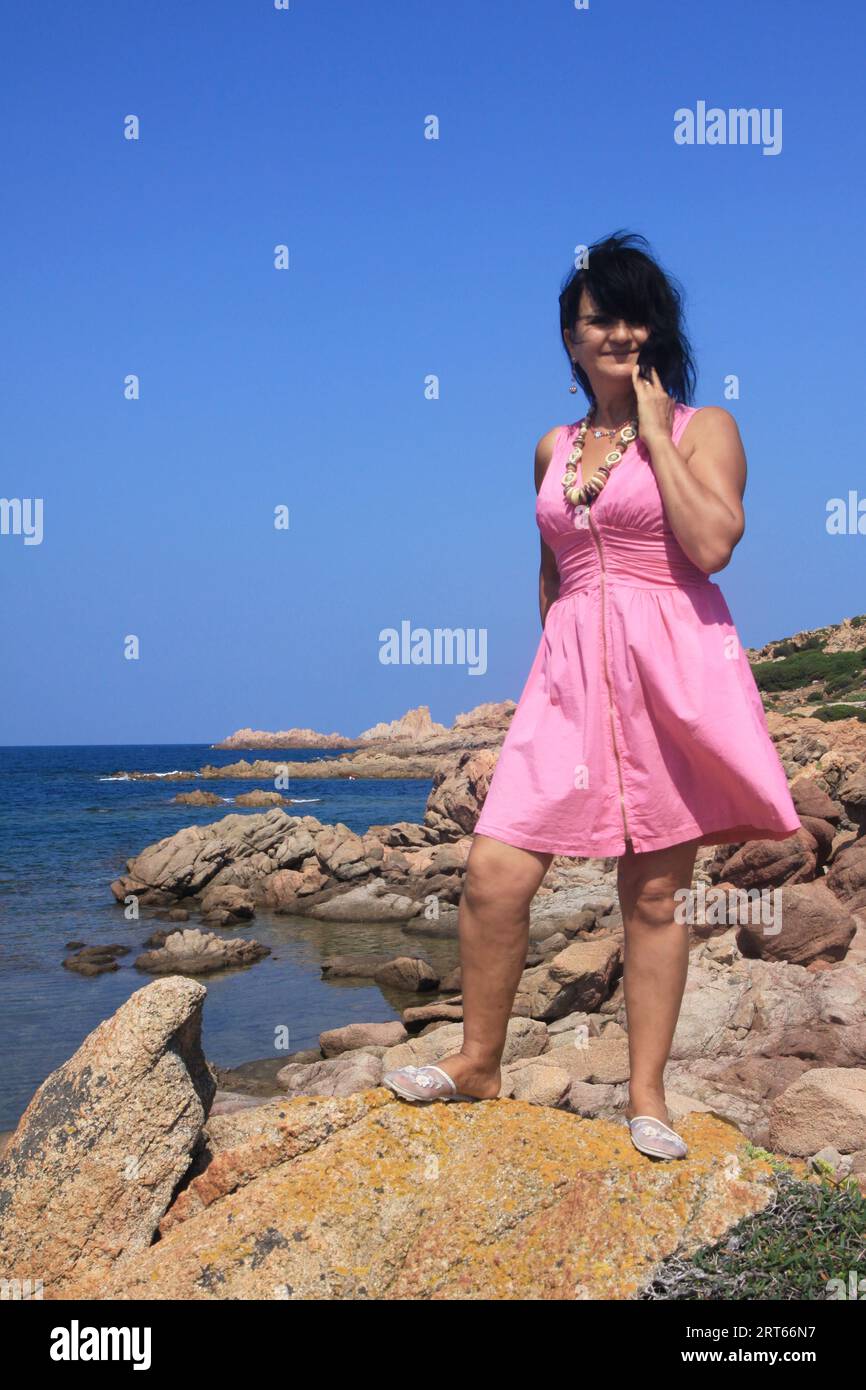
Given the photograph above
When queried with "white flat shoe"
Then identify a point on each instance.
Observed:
(424, 1084)
(656, 1139)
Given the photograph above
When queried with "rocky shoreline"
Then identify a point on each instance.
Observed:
(232, 1192)
(416, 729)
(411, 747)
(400, 872)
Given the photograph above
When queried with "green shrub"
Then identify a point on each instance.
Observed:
(790, 648)
(828, 712)
(841, 685)
(803, 668)
(811, 1233)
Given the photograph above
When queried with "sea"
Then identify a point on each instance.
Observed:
(70, 819)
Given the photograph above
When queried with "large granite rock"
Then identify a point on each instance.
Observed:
(852, 794)
(333, 1076)
(368, 902)
(458, 791)
(811, 800)
(807, 924)
(185, 863)
(770, 863)
(366, 1197)
(847, 876)
(92, 1166)
(580, 977)
(822, 1100)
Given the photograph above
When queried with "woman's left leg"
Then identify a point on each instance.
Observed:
(656, 958)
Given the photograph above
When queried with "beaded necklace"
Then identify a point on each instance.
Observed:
(583, 496)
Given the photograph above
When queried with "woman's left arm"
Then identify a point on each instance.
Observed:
(701, 486)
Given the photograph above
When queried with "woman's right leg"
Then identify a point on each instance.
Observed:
(499, 885)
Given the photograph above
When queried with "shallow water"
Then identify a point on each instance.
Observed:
(66, 830)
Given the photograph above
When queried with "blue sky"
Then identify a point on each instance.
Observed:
(407, 257)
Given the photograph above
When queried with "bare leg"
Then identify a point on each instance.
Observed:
(500, 883)
(656, 963)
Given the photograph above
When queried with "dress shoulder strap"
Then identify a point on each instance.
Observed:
(682, 415)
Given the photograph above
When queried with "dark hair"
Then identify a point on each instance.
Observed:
(629, 284)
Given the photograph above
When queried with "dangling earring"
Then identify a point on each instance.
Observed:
(573, 387)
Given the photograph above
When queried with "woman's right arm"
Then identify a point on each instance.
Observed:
(548, 574)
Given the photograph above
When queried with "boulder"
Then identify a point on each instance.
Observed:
(249, 871)
(352, 967)
(345, 855)
(189, 951)
(296, 842)
(824, 1106)
(748, 1030)
(444, 925)
(737, 1089)
(580, 977)
(807, 924)
(811, 800)
(336, 1041)
(457, 792)
(95, 960)
(414, 727)
(449, 1010)
(598, 1061)
(94, 1161)
(847, 876)
(334, 1076)
(824, 835)
(284, 889)
(770, 863)
(494, 1201)
(225, 903)
(259, 1077)
(260, 798)
(407, 973)
(593, 1101)
(186, 862)
(404, 834)
(230, 1102)
(841, 840)
(852, 794)
(372, 901)
(538, 1084)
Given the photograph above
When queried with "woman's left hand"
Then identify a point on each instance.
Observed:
(654, 406)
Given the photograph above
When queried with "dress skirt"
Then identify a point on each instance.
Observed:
(640, 718)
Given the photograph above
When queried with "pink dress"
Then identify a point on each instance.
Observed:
(640, 717)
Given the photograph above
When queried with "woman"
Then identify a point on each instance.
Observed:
(640, 732)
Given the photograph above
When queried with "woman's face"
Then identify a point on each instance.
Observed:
(606, 348)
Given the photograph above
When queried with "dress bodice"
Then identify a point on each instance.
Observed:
(625, 531)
